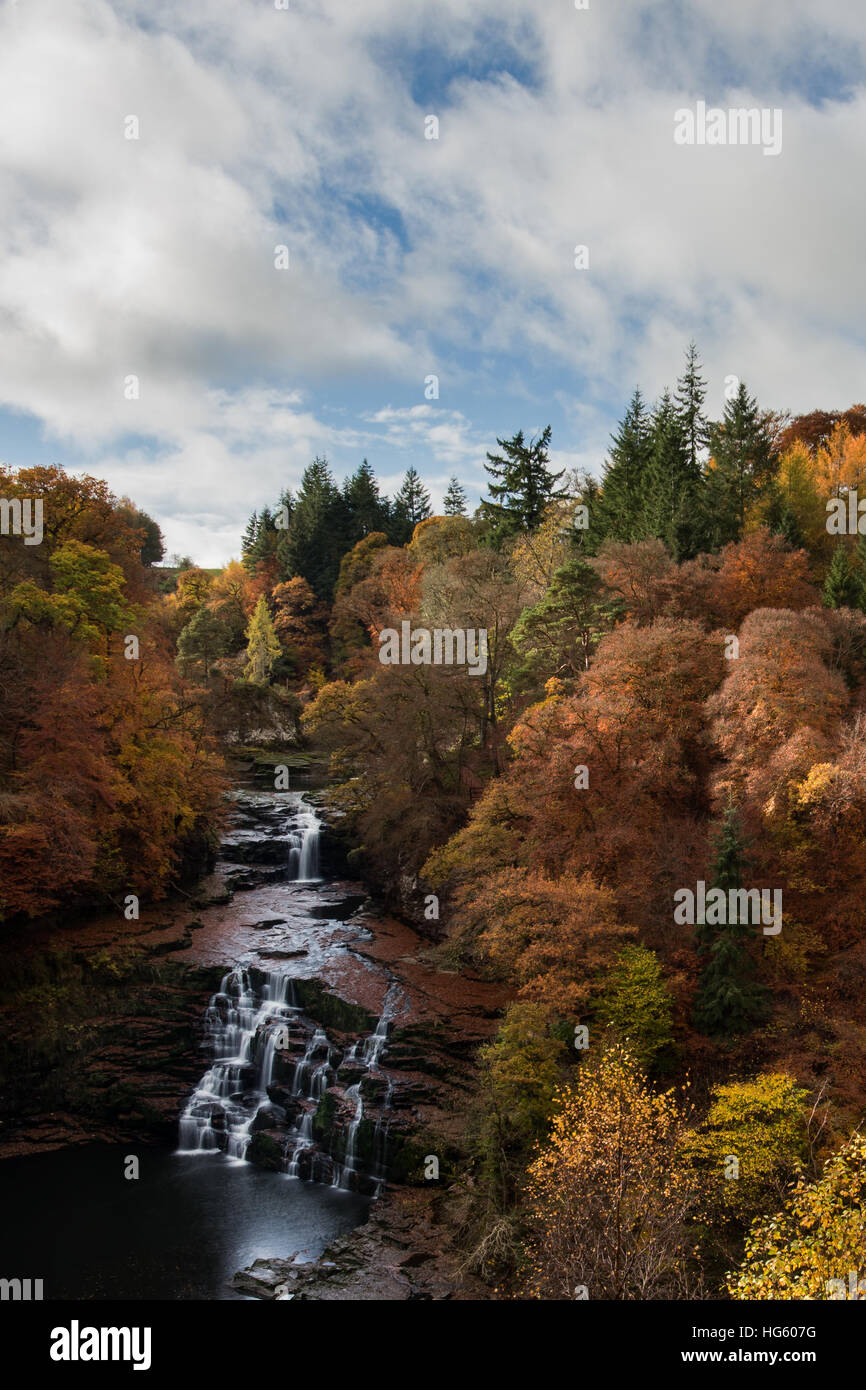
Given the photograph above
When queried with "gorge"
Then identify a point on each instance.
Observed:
(317, 1075)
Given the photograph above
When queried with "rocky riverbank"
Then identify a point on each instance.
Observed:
(105, 1039)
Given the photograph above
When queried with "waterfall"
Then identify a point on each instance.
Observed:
(231, 1093)
(254, 1028)
(304, 847)
(246, 1029)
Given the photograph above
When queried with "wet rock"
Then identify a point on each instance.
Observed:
(267, 1149)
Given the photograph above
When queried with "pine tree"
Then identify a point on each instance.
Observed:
(204, 638)
(522, 486)
(619, 513)
(411, 505)
(689, 398)
(562, 631)
(843, 585)
(455, 498)
(263, 646)
(728, 1000)
(741, 462)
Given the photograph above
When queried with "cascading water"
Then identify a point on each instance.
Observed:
(304, 848)
(231, 1094)
(249, 1024)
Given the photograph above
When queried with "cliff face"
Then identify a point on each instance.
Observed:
(97, 1045)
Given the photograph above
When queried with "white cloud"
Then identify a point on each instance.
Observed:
(262, 127)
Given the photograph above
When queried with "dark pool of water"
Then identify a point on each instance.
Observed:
(180, 1231)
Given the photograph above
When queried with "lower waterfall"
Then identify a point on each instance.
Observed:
(263, 1077)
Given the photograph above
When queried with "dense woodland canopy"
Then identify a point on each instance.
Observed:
(675, 692)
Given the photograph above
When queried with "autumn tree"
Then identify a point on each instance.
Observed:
(808, 1249)
(263, 646)
(299, 623)
(109, 782)
(609, 1196)
(747, 1149)
(550, 936)
(230, 598)
(636, 1005)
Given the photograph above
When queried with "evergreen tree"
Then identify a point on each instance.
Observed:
(741, 462)
(319, 534)
(204, 638)
(455, 498)
(843, 585)
(411, 505)
(621, 505)
(728, 1000)
(671, 499)
(248, 540)
(367, 509)
(561, 632)
(265, 543)
(263, 647)
(522, 486)
(689, 399)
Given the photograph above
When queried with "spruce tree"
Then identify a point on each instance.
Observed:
(319, 534)
(411, 505)
(843, 585)
(522, 486)
(689, 399)
(248, 540)
(671, 501)
(265, 544)
(741, 461)
(620, 510)
(728, 999)
(367, 509)
(455, 498)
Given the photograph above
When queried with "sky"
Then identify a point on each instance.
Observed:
(154, 258)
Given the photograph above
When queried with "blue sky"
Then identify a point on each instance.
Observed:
(305, 128)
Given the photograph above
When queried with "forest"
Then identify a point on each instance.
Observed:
(674, 697)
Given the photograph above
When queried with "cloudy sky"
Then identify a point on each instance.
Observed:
(304, 127)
